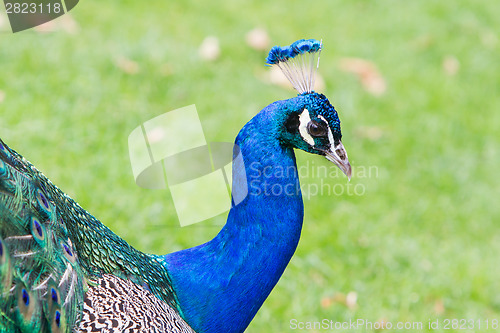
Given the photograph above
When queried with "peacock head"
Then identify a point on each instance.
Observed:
(311, 122)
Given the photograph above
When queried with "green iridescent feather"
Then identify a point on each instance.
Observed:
(52, 249)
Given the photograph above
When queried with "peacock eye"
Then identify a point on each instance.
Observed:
(43, 201)
(36, 229)
(317, 129)
(57, 318)
(68, 253)
(53, 293)
(26, 297)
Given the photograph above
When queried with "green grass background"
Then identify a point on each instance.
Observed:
(422, 241)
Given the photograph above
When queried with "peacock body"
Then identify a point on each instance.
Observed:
(62, 270)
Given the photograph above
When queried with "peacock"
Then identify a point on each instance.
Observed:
(62, 270)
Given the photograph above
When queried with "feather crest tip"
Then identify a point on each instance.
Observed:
(298, 61)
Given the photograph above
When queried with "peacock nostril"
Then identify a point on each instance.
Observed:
(340, 154)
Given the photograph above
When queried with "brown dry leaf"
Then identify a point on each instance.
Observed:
(49, 26)
(63, 23)
(319, 84)
(209, 49)
(426, 265)
(277, 77)
(351, 300)
(326, 302)
(381, 323)
(489, 39)
(423, 42)
(2, 96)
(69, 24)
(127, 65)
(451, 65)
(369, 132)
(439, 307)
(166, 69)
(370, 77)
(258, 39)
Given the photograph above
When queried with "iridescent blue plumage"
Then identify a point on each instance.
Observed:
(284, 53)
(62, 270)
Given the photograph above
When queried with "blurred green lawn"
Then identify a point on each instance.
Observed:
(420, 243)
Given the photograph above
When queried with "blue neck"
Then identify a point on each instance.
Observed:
(221, 284)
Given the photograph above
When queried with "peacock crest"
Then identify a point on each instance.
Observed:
(299, 62)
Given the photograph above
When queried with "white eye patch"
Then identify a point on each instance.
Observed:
(304, 119)
(330, 134)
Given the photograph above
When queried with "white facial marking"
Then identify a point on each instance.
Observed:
(330, 134)
(304, 119)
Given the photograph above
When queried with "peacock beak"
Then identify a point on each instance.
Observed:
(338, 156)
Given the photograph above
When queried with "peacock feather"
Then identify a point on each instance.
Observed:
(62, 270)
